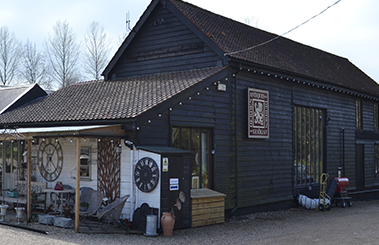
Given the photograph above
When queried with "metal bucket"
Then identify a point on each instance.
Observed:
(151, 225)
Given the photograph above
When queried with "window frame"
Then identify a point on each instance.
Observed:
(358, 114)
(376, 116)
(177, 143)
(376, 164)
(87, 166)
(308, 144)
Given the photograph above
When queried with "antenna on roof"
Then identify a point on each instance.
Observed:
(128, 22)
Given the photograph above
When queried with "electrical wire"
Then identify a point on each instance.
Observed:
(261, 44)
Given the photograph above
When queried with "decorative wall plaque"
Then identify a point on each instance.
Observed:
(258, 113)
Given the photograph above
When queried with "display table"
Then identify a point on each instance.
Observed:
(60, 194)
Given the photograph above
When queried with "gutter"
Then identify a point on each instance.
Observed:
(64, 123)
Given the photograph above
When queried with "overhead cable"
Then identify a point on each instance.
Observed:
(268, 41)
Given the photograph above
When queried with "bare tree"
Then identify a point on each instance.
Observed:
(34, 69)
(97, 47)
(252, 22)
(10, 51)
(63, 52)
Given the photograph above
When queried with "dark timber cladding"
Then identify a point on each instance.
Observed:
(164, 44)
(251, 172)
(176, 78)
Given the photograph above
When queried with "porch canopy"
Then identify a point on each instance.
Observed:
(78, 132)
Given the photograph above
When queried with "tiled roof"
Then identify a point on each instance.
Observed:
(282, 54)
(107, 100)
(10, 94)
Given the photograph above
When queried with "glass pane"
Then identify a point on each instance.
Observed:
(376, 160)
(16, 157)
(1, 165)
(307, 142)
(376, 115)
(195, 147)
(85, 162)
(175, 137)
(358, 105)
(295, 140)
(8, 157)
(204, 159)
(185, 141)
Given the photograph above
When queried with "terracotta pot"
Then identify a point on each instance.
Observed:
(167, 222)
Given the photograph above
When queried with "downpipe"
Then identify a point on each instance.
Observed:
(235, 141)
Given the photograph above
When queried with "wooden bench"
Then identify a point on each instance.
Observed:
(38, 196)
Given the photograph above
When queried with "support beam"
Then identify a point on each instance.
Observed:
(77, 188)
(29, 185)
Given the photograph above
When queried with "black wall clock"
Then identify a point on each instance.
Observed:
(146, 174)
(50, 159)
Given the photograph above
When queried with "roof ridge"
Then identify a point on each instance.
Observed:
(244, 25)
(283, 53)
(15, 87)
(169, 72)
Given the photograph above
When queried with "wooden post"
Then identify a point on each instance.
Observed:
(29, 179)
(77, 189)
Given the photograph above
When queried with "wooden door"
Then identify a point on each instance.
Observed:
(359, 165)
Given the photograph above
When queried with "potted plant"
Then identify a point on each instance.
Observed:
(84, 206)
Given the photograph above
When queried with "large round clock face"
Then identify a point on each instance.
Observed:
(50, 159)
(146, 174)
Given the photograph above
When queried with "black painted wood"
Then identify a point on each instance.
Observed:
(163, 44)
(251, 172)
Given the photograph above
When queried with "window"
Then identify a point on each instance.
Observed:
(198, 141)
(358, 114)
(376, 116)
(307, 145)
(376, 160)
(85, 163)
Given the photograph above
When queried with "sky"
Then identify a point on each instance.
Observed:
(348, 29)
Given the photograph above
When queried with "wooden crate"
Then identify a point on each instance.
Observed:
(208, 207)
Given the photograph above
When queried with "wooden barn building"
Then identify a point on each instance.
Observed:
(256, 122)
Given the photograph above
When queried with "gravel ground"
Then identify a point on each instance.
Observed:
(352, 225)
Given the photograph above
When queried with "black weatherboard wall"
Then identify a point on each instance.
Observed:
(251, 172)
(166, 38)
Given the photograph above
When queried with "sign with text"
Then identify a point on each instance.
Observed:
(258, 113)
